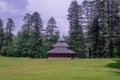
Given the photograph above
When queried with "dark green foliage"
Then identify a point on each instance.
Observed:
(110, 21)
(30, 38)
(36, 24)
(103, 30)
(22, 46)
(1, 35)
(76, 36)
(7, 49)
(117, 38)
(95, 38)
(10, 26)
(23, 38)
(52, 33)
(36, 35)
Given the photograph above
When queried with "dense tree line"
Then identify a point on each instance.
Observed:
(94, 32)
(95, 24)
(31, 41)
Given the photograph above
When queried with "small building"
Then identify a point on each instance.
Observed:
(60, 51)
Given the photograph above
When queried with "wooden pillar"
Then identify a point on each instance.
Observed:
(66, 55)
(51, 55)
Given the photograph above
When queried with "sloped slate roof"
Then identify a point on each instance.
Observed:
(61, 44)
(61, 51)
(61, 48)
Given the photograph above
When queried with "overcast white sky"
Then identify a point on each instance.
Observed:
(16, 10)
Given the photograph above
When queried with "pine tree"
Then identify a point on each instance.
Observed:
(76, 35)
(95, 35)
(36, 35)
(52, 33)
(26, 28)
(8, 49)
(108, 11)
(1, 35)
(112, 21)
(24, 36)
(30, 37)
(89, 12)
(9, 31)
(115, 23)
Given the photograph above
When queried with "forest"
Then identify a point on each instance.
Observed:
(94, 32)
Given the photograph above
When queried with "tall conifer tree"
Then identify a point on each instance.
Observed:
(76, 35)
(10, 27)
(52, 32)
(1, 35)
(36, 34)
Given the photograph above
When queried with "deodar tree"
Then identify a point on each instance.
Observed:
(76, 36)
(1, 35)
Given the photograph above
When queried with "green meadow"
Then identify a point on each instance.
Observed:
(53, 69)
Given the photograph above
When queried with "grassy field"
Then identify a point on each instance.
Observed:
(45, 69)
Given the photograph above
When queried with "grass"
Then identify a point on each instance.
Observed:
(45, 69)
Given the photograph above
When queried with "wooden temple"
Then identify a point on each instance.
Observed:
(60, 51)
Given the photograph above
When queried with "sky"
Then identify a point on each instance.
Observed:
(16, 9)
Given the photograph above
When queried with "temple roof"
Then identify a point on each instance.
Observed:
(61, 43)
(61, 51)
(61, 47)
